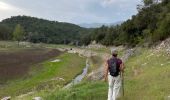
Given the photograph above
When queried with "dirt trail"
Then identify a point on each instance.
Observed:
(98, 74)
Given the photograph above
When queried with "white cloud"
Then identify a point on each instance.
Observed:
(6, 7)
(106, 3)
(7, 10)
(75, 11)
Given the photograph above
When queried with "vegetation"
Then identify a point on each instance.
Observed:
(40, 30)
(148, 26)
(84, 91)
(146, 76)
(5, 32)
(145, 79)
(18, 33)
(46, 77)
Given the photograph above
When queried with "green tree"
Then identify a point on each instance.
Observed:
(5, 32)
(18, 33)
(147, 2)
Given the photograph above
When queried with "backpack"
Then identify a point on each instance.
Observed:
(113, 67)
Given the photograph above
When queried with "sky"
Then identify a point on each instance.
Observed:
(72, 11)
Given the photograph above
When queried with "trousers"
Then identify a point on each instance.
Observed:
(114, 87)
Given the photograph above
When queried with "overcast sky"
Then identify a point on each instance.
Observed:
(74, 11)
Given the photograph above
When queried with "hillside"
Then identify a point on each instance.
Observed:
(41, 30)
(44, 69)
(151, 24)
(146, 76)
(35, 67)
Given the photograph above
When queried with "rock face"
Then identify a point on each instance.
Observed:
(127, 54)
(164, 45)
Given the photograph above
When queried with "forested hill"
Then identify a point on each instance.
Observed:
(151, 24)
(40, 30)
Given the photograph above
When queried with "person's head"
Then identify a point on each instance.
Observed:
(114, 52)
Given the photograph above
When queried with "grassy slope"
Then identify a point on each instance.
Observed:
(68, 68)
(146, 78)
(83, 91)
(151, 81)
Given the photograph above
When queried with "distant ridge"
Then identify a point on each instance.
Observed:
(42, 30)
(97, 25)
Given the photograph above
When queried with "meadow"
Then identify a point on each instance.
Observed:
(146, 77)
(38, 69)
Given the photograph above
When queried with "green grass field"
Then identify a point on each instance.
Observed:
(146, 78)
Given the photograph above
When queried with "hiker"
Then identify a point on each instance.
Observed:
(114, 67)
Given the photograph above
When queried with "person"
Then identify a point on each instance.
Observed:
(114, 67)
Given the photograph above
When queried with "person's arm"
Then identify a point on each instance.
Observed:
(106, 71)
(122, 67)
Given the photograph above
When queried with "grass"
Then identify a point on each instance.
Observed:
(68, 68)
(146, 78)
(83, 91)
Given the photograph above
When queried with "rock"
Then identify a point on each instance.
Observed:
(127, 54)
(168, 98)
(37, 98)
(96, 75)
(24, 95)
(56, 60)
(6, 98)
(96, 46)
(163, 46)
(58, 78)
(144, 64)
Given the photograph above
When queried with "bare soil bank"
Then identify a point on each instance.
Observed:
(16, 64)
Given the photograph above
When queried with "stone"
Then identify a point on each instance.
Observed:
(37, 98)
(168, 98)
(56, 60)
(6, 98)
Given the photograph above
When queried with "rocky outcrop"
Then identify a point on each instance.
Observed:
(163, 46)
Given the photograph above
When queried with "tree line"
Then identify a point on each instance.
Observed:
(25, 28)
(150, 25)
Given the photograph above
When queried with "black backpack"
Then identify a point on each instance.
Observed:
(113, 67)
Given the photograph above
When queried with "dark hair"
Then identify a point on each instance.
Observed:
(115, 55)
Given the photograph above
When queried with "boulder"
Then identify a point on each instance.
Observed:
(6, 98)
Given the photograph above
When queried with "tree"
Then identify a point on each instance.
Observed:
(147, 2)
(5, 32)
(18, 33)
